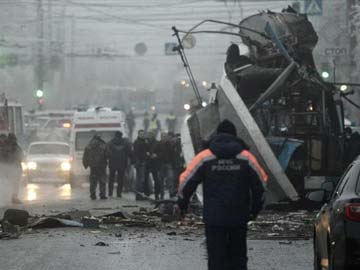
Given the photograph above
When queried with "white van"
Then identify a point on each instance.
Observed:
(102, 120)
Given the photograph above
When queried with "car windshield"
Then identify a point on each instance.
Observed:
(83, 138)
(46, 149)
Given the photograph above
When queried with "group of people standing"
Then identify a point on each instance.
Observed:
(162, 160)
(116, 154)
(11, 156)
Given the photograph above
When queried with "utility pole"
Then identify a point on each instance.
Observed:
(353, 38)
(63, 86)
(39, 68)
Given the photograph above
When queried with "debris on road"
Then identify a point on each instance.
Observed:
(101, 244)
(76, 215)
(51, 222)
(8, 236)
(16, 217)
(90, 222)
(9, 231)
(282, 225)
(270, 224)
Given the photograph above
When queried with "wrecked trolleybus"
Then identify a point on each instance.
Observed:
(291, 119)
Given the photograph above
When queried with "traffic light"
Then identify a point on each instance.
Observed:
(325, 71)
(40, 98)
(39, 93)
(41, 103)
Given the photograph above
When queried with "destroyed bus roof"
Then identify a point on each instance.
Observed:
(294, 30)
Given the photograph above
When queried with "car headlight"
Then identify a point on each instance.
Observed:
(65, 166)
(24, 166)
(31, 165)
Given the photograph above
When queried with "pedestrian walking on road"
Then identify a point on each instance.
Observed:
(141, 154)
(118, 152)
(95, 158)
(233, 190)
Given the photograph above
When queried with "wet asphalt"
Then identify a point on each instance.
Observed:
(126, 248)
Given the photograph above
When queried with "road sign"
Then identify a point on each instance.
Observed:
(336, 51)
(170, 48)
(313, 7)
(140, 48)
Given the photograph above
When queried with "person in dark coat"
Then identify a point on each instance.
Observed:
(178, 163)
(233, 187)
(118, 152)
(234, 60)
(95, 158)
(141, 154)
(166, 156)
(152, 166)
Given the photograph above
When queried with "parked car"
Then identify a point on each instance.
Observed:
(337, 225)
(48, 162)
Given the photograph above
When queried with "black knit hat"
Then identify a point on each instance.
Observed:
(118, 134)
(226, 126)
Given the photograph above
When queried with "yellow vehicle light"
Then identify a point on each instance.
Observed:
(65, 166)
(24, 166)
(66, 125)
(31, 165)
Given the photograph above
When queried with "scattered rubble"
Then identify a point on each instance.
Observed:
(270, 224)
(90, 222)
(281, 225)
(101, 244)
(51, 222)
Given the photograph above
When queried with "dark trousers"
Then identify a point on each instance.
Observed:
(226, 247)
(159, 186)
(166, 175)
(140, 178)
(97, 175)
(175, 184)
(119, 179)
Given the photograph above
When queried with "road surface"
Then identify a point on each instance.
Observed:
(128, 248)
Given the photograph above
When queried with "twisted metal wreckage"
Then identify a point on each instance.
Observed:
(292, 120)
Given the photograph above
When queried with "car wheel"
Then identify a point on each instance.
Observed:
(317, 260)
(330, 256)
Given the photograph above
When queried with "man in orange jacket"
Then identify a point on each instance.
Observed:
(233, 188)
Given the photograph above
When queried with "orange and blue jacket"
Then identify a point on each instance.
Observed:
(232, 180)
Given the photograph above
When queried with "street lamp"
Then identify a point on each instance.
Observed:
(325, 74)
(343, 88)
